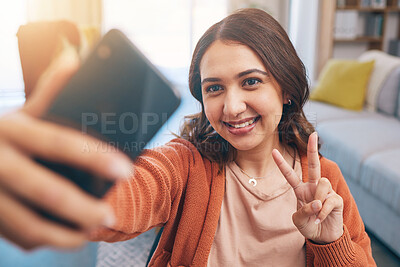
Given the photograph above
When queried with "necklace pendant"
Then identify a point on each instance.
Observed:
(253, 181)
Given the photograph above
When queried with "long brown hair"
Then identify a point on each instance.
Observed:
(262, 33)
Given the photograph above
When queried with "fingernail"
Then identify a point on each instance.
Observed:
(121, 169)
(109, 219)
(315, 205)
(317, 221)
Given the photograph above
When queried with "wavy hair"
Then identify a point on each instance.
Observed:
(264, 35)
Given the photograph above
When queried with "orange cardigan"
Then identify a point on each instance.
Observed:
(175, 187)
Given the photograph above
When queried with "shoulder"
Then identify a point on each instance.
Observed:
(180, 146)
(177, 149)
(331, 170)
(328, 166)
(180, 143)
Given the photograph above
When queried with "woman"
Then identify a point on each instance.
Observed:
(244, 185)
(226, 190)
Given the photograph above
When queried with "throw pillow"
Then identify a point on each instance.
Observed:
(387, 96)
(384, 65)
(343, 83)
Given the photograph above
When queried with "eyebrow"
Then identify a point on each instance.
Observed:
(241, 74)
(246, 72)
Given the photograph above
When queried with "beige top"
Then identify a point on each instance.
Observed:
(255, 227)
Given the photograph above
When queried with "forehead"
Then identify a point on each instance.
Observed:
(228, 57)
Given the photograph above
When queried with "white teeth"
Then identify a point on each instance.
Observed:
(247, 123)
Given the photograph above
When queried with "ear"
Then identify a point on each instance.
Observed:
(286, 99)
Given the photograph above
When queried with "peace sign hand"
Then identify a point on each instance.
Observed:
(319, 215)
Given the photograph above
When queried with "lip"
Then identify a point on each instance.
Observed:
(241, 121)
(244, 130)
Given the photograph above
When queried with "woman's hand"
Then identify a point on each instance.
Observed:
(319, 215)
(25, 183)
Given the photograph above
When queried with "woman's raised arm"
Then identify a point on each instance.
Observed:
(24, 183)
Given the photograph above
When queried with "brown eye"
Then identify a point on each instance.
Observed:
(251, 82)
(213, 88)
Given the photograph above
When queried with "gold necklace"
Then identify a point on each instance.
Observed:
(252, 179)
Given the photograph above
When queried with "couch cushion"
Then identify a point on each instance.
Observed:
(380, 175)
(318, 112)
(349, 142)
(398, 107)
(384, 65)
(36, 54)
(343, 83)
(389, 93)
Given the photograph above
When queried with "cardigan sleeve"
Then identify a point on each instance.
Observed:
(354, 247)
(147, 199)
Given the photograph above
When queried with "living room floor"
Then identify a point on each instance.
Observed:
(382, 255)
(110, 254)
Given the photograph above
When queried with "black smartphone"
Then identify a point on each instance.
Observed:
(117, 96)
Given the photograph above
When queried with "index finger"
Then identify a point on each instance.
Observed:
(60, 144)
(285, 169)
(314, 167)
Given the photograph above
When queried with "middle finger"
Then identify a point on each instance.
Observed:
(25, 228)
(50, 191)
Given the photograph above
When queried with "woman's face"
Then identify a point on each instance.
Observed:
(241, 100)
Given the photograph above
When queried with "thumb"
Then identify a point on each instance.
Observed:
(52, 81)
(301, 218)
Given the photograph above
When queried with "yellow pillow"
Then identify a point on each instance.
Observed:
(343, 83)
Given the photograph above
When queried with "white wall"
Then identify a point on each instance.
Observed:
(279, 9)
(12, 16)
(349, 50)
(303, 31)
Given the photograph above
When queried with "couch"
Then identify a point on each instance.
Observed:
(39, 43)
(366, 146)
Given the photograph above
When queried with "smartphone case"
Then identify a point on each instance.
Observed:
(117, 96)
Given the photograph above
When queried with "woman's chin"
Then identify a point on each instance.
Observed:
(250, 142)
(243, 146)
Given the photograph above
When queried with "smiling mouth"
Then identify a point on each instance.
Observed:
(242, 125)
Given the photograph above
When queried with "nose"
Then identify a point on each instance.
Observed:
(234, 104)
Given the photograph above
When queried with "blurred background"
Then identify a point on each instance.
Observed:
(166, 32)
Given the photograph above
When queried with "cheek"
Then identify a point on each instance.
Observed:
(271, 110)
(212, 113)
(269, 102)
(274, 114)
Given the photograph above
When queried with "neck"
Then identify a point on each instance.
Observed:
(258, 162)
